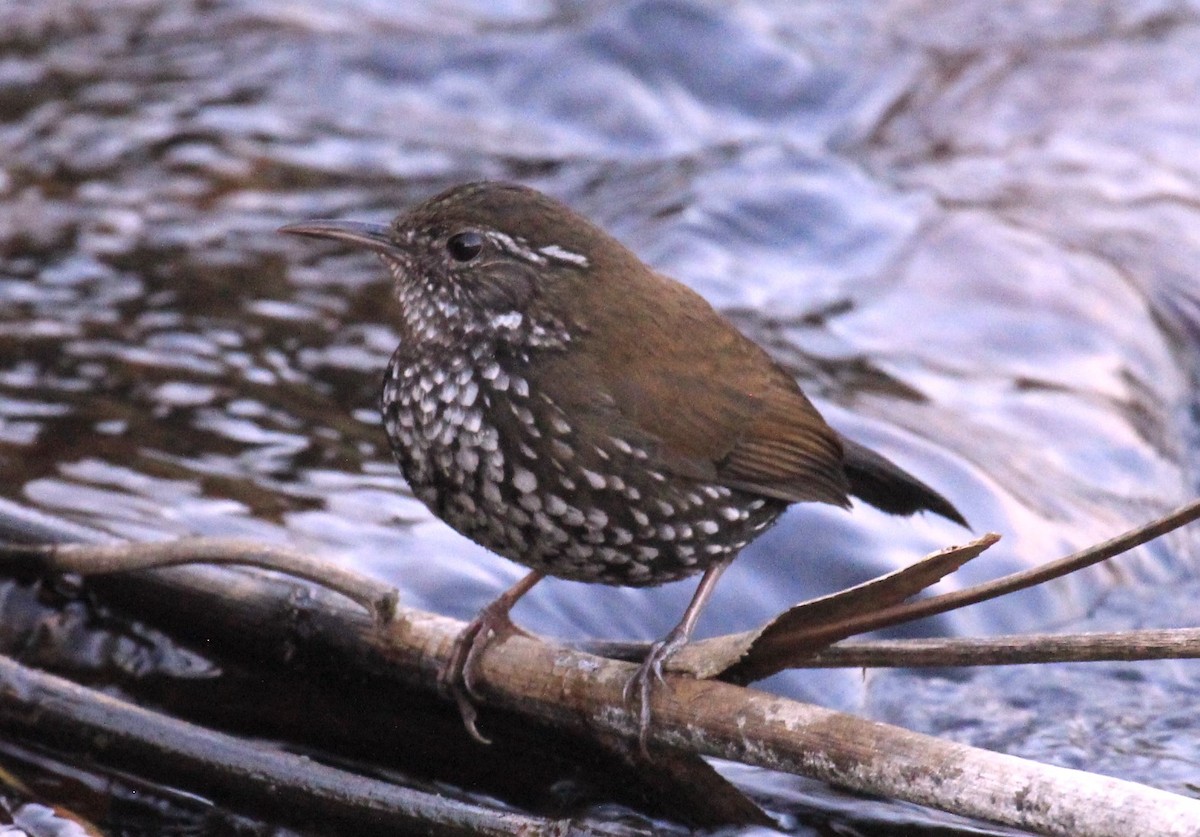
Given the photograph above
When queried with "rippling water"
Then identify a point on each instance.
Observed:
(970, 230)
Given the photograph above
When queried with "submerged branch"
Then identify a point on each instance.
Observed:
(295, 788)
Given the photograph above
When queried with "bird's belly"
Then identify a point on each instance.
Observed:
(595, 536)
(604, 516)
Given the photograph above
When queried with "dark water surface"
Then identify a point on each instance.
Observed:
(971, 230)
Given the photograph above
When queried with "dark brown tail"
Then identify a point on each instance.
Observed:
(877, 480)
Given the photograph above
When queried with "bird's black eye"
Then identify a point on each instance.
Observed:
(464, 246)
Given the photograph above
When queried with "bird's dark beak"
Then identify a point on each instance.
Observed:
(375, 237)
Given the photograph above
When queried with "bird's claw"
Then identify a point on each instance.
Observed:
(640, 687)
(458, 677)
(468, 713)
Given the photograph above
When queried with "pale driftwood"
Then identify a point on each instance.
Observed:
(302, 791)
(731, 722)
(580, 692)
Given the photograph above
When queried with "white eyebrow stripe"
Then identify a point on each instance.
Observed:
(556, 252)
(520, 248)
(507, 242)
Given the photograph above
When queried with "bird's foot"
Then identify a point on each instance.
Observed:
(640, 688)
(458, 677)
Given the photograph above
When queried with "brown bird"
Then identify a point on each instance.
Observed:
(562, 404)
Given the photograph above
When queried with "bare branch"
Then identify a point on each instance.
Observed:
(375, 597)
(1031, 577)
(771, 659)
(583, 694)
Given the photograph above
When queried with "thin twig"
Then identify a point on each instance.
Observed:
(776, 654)
(377, 598)
(1036, 575)
(1126, 646)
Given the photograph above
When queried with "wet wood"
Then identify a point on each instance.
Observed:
(292, 788)
(582, 694)
(263, 621)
